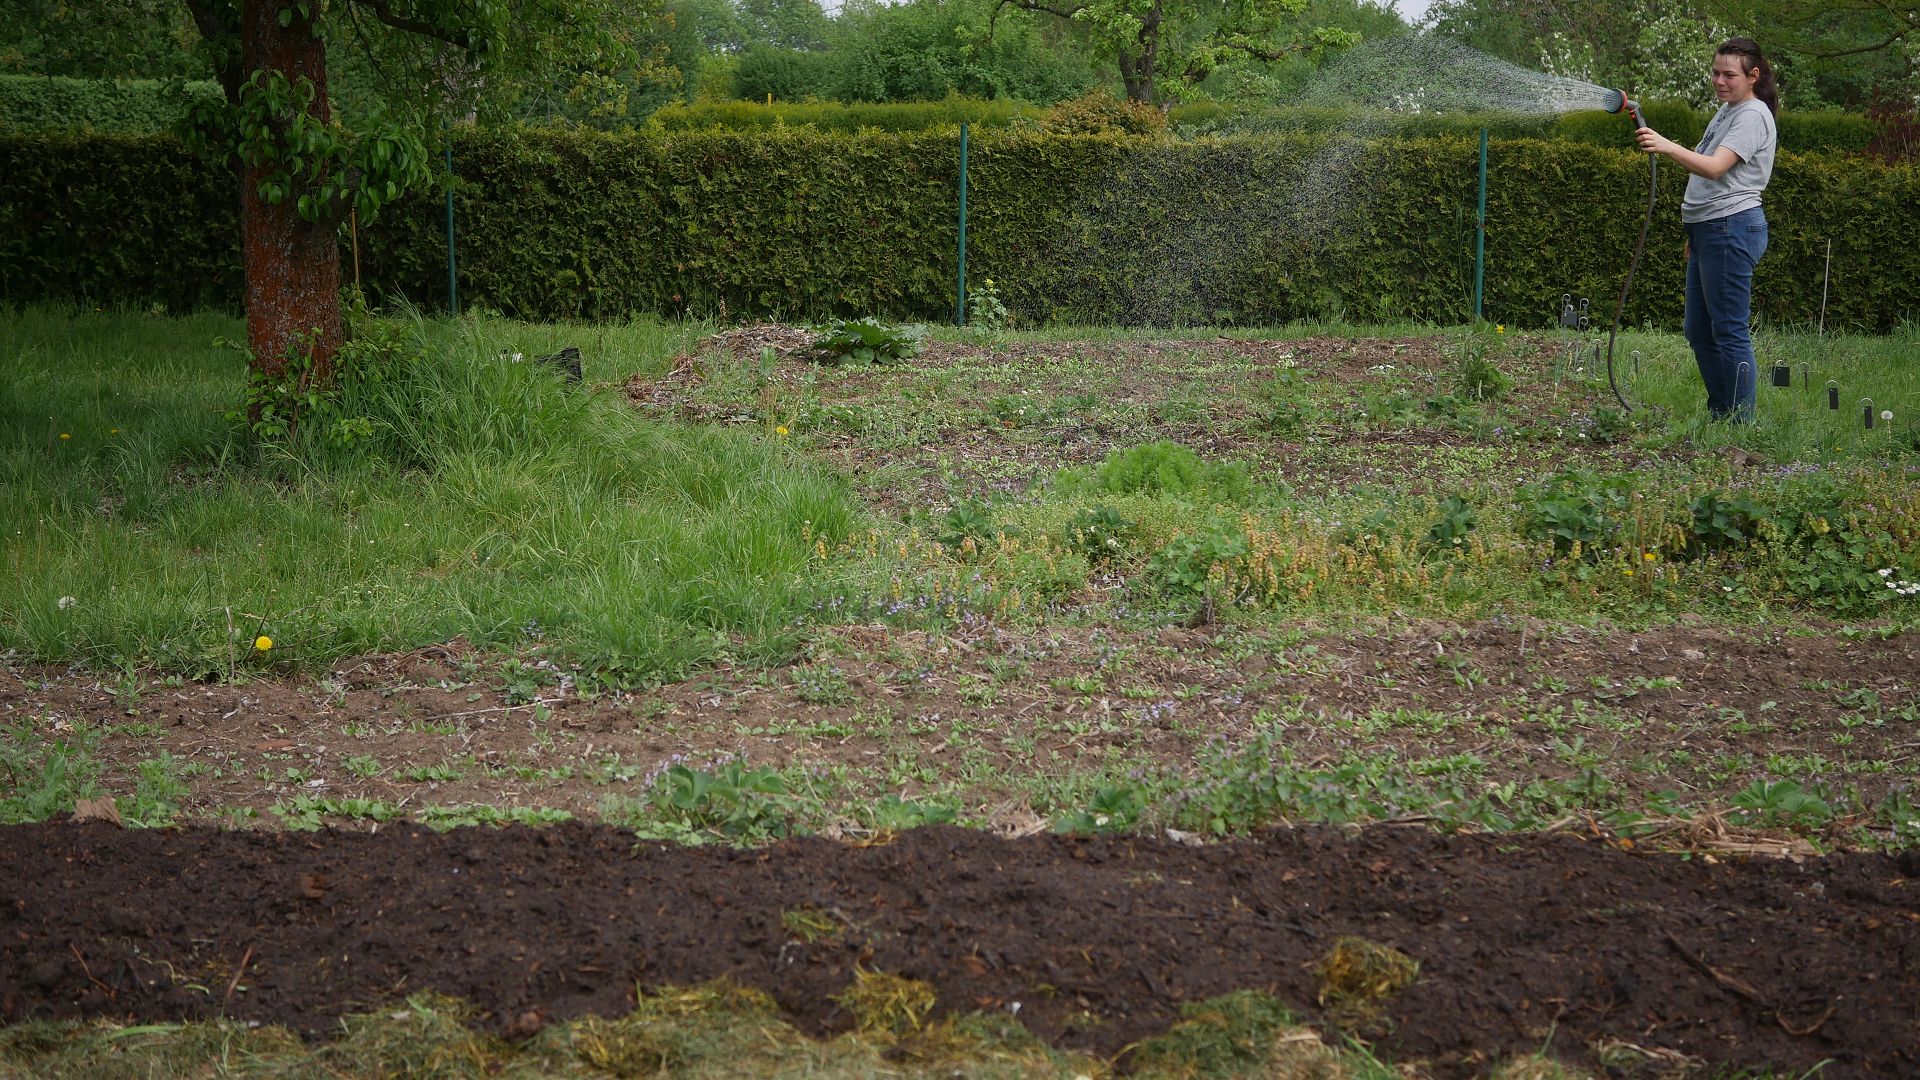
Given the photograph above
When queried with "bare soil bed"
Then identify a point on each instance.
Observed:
(1093, 943)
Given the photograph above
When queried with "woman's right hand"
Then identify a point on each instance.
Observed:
(1653, 142)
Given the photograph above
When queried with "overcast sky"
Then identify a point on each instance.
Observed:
(1411, 10)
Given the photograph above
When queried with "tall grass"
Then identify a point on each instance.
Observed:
(140, 526)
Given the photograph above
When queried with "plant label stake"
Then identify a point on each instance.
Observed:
(1866, 412)
(1806, 376)
(1783, 374)
(1742, 377)
(1569, 318)
(1833, 394)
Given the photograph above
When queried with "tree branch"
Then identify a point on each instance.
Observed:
(1035, 5)
(1829, 54)
(219, 32)
(383, 12)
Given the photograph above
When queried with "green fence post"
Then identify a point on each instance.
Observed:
(453, 285)
(960, 286)
(1480, 233)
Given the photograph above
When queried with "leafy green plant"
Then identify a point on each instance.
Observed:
(732, 801)
(157, 792)
(893, 812)
(867, 341)
(985, 310)
(1100, 534)
(1164, 469)
(1114, 808)
(335, 412)
(822, 684)
(1477, 375)
(1457, 519)
(1184, 567)
(1575, 508)
(1781, 802)
(1721, 521)
(41, 777)
(1284, 416)
(967, 525)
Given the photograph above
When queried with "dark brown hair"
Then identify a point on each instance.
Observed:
(1749, 53)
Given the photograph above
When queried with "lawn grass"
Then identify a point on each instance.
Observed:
(140, 528)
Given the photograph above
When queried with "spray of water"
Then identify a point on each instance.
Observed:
(1209, 219)
(1431, 74)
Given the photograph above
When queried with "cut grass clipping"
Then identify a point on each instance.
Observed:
(882, 1003)
(1246, 1033)
(1357, 974)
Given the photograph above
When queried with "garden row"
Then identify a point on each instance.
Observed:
(1095, 228)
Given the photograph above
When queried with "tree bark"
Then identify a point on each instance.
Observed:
(292, 265)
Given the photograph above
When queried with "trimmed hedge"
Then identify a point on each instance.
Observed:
(802, 223)
(1803, 132)
(52, 103)
(117, 219)
(839, 116)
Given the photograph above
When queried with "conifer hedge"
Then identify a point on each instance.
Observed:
(806, 223)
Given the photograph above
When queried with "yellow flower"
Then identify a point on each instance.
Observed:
(1650, 556)
(989, 283)
(115, 431)
(262, 643)
(1628, 571)
(1499, 328)
(64, 435)
(781, 430)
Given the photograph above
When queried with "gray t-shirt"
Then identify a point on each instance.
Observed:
(1747, 128)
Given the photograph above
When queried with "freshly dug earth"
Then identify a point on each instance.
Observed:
(1094, 943)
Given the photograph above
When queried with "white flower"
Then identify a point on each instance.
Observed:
(65, 602)
(1888, 571)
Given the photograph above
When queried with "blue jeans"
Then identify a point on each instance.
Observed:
(1719, 305)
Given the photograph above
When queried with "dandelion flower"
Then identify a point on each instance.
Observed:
(64, 435)
(781, 430)
(262, 643)
(1650, 556)
(1886, 414)
(65, 602)
(1628, 571)
(1499, 328)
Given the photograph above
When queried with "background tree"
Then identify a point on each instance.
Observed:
(302, 170)
(1840, 54)
(924, 50)
(1280, 81)
(1187, 40)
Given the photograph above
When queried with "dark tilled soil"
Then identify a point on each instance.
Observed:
(1094, 943)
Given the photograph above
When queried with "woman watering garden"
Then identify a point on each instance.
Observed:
(1726, 227)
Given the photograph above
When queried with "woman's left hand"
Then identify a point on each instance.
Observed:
(1653, 142)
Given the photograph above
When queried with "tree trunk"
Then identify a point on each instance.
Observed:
(292, 265)
(1136, 74)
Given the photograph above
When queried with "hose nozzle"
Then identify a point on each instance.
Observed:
(1618, 100)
